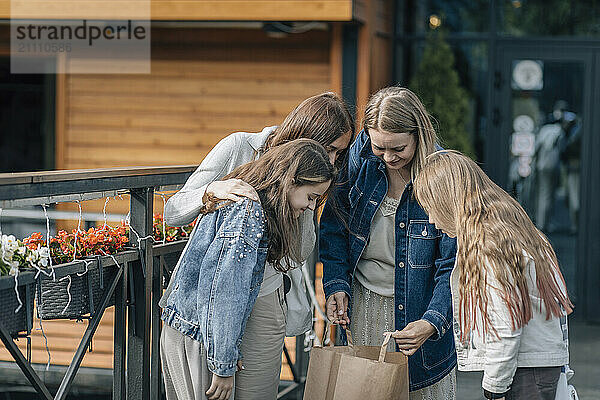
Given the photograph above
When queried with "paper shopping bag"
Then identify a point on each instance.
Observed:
(356, 373)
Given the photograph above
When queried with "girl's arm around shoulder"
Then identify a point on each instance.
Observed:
(184, 206)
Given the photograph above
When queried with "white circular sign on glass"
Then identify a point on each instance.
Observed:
(523, 123)
(528, 75)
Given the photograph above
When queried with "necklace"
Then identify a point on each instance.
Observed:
(404, 181)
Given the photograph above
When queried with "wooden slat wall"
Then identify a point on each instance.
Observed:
(184, 107)
(204, 85)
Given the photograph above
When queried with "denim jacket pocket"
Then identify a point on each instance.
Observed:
(436, 353)
(422, 242)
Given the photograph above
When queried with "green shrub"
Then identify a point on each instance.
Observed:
(437, 83)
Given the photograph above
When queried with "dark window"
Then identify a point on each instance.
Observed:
(549, 17)
(26, 115)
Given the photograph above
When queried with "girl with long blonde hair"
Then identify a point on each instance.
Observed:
(509, 297)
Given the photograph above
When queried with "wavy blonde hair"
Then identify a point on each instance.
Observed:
(398, 110)
(489, 225)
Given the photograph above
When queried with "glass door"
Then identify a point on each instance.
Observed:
(543, 108)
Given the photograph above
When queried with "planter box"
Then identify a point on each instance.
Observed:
(74, 295)
(20, 323)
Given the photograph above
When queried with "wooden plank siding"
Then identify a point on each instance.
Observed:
(204, 84)
(183, 10)
(175, 115)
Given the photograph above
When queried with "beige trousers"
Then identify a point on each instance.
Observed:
(261, 348)
(185, 371)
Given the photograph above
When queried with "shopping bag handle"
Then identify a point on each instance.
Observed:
(326, 334)
(349, 337)
(383, 349)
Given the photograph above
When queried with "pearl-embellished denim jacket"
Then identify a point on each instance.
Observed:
(218, 280)
(424, 258)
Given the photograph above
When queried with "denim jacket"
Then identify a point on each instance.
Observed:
(218, 280)
(424, 258)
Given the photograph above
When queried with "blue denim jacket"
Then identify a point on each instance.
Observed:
(218, 280)
(424, 258)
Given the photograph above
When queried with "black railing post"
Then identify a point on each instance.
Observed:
(155, 369)
(138, 344)
(120, 332)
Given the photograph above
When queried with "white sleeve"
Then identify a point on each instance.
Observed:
(502, 350)
(184, 206)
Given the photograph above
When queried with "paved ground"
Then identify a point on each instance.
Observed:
(584, 342)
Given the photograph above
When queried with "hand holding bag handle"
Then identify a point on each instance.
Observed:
(326, 335)
(383, 349)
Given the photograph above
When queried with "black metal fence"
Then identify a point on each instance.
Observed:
(137, 284)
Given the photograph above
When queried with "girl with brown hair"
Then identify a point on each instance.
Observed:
(509, 297)
(323, 118)
(218, 280)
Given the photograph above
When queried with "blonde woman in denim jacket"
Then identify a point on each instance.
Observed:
(510, 302)
(385, 267)
(218, 280)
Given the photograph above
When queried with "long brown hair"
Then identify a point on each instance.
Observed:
(491, 228)
(323, 118)
(398, 110)
(296, 163)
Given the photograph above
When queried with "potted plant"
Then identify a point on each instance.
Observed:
(17, 291)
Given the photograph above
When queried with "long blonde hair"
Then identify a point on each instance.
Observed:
(398, 110)
(296, 163)
(490, 227)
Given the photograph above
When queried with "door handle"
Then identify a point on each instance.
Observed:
(496, 116)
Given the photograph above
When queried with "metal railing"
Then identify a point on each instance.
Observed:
(137, 286)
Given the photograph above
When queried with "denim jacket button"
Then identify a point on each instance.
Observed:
(400, 307)
(401, 264)
(402, 225)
